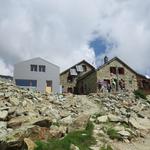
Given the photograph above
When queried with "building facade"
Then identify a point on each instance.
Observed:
(69, 77)
(113, 75)
(38, 74)
(143, 83)
(87, 83)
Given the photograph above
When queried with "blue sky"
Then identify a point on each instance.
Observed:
(99, 46)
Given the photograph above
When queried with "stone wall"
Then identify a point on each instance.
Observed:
(88, 84)
(143, 84)
(66, 84)
(129, 76)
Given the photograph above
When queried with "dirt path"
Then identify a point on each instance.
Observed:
(141, 144)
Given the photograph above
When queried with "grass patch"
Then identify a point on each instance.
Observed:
(82, 139)
(113, 134)
(139, 94)
(125, 125)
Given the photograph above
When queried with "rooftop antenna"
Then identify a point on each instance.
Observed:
(105, 59)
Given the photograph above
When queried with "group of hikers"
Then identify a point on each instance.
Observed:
(111, 85)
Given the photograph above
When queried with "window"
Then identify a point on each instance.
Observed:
(79, 68)
(49, 83)
(70, 90)
(23, 82)
(113, 70)
(84, 68)
(42, 68)
(33, 67)
(121, 70)
(107, 81)
(70, 79)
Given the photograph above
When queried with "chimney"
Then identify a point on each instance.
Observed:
(105, 59)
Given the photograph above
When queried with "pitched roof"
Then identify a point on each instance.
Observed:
(111, 60)
(86, 74)
(118, 59)
(83, 61)
(35, 59)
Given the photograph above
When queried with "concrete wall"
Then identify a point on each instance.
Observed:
(129, 76)
(22, 71)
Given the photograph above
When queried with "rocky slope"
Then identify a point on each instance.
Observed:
(27, 116)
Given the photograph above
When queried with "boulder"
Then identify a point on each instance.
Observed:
(17, 121)
(102, 119)
(30, 144)
(140, 123)
(124, 133)
(114, 118)
(73, 147)
(67, 120)
(3, 114)
(43, 123)
(15, 145)
(41, 133)
(1, 94)
(3, 125)
(79, 123)
(14, 101)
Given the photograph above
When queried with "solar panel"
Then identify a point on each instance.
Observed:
(73, 72)
(79, 68)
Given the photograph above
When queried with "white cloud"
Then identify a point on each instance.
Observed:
(59, 31)
(128, 27)
(5, 69)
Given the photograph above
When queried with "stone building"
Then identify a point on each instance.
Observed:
(113, 75)
(69, 77)
(143, 83)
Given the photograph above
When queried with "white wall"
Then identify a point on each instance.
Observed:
(22, 71)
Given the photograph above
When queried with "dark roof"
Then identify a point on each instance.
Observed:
(111, 60)
(83, 61)
(6, 77)
(87, 74)
(118, 59)
(142, 76)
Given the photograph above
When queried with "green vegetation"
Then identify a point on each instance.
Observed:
(125, 125)
(96, 115)
(106, 148)
(82, 139)
(139, 94)
(113, 134)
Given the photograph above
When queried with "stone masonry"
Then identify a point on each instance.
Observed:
(72, 85)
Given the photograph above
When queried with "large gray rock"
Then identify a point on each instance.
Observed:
(79, 123)
(73, 147)
(1, 94)
(124, 133)
(8, 94)
(3, 114)
(114, 118)
(67, 120)
(140, 123)
(18, 121)
(14, 101)
(102, 119)
(3, 125)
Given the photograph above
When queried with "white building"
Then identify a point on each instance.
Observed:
(39, 74)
